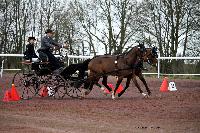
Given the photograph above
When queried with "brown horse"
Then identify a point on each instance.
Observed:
(124, 69)
(150, 57)
(121, 66)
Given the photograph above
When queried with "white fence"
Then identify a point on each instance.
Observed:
(176, 58)
(72, 57)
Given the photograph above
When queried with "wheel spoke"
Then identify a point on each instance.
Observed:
(25, 84)
(74, 88)
(57, 83)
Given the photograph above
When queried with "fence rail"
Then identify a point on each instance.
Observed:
(175, 58)
(87, 57)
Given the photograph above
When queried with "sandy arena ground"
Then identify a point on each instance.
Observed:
(169, 112)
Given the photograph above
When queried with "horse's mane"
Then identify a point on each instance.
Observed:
(128, 51)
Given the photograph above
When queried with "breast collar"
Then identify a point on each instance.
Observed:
(116, 62)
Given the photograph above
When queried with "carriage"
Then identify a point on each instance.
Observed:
(74, 79)
(37, 77)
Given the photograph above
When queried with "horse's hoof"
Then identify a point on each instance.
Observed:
(87, 92)
(105, 93)
(102, 88)
(81, 97)
(83, 93)
(113, 96)
(144, 94)
(119, 94)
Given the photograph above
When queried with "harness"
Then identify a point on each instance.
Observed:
(153, 53)
(137, 64)
(116, 62)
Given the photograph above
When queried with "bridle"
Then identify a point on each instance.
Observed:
(152, 54)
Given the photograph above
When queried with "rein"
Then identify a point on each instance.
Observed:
(149, 60)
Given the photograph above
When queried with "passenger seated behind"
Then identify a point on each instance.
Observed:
(30, 52)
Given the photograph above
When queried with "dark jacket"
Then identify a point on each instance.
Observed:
(30, 52)
(47, 43)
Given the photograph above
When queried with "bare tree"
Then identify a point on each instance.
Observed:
(172, 26)
(107, 23)
(112, 25)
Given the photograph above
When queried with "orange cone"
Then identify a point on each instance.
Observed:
(14, 94)
(119, 89)
(7, 96)
(164, 85)
(44, 91)
(106, 90)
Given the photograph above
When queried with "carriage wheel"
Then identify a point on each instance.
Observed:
(42, 89)
(74, 88)
(56, 86)
(25, 84)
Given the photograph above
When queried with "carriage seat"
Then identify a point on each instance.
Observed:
(41, 60)
(34, 61)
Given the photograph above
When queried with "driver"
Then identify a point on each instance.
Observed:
(45, 51)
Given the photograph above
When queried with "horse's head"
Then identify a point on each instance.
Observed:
(134, 54)
(141, 51)
(150, 56)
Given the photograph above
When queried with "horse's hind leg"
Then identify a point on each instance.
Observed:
(127, 85)
(101, 87)
(145, 83)
(137, 85)
(88, 85)
(87, 89)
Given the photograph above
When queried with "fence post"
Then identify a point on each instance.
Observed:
(158, 64)
(2, 68)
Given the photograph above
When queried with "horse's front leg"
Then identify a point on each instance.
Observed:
(145, 83)
(101, 87)
(116, 87)
(127, 85)
(104, 82)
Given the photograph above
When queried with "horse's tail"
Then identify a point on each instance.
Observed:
(86, 62)
(87, 84)
(83, 67)
(68, 71)
(71, 69)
